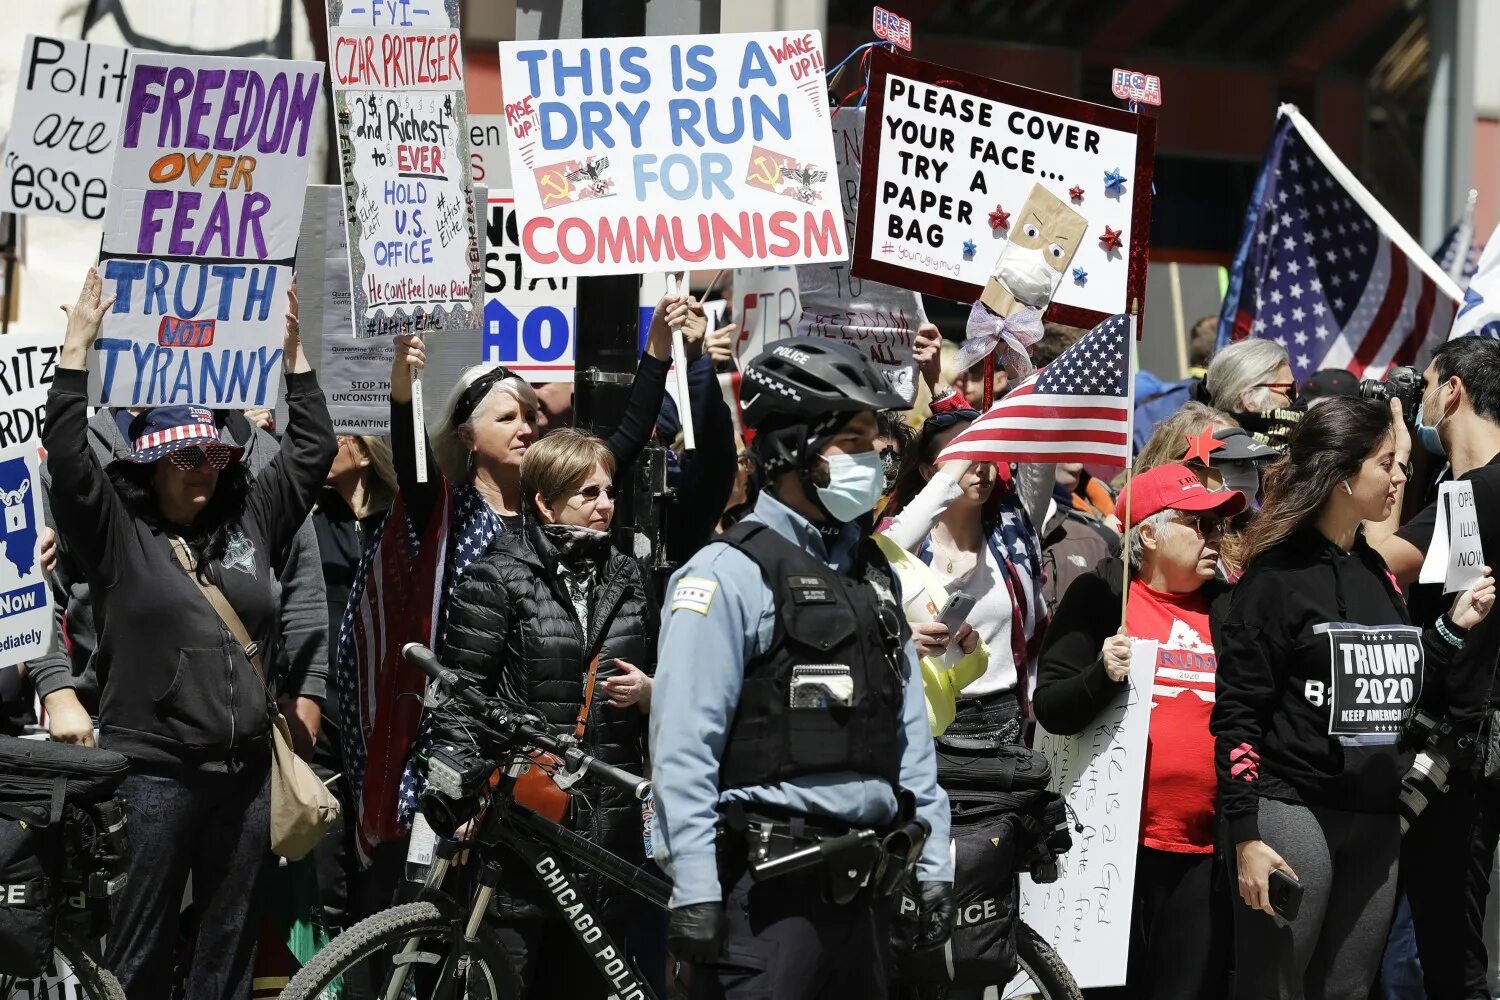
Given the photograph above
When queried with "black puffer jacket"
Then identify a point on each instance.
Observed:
(513, 633)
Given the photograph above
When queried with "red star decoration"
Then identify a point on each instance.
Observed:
(999, 218)
(1110, 240)
(1075, 192)
(1202, 446)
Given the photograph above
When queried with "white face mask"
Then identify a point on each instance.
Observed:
(1027, 274)
(855, 484)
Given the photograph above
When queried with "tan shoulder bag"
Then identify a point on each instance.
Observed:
(302, 808)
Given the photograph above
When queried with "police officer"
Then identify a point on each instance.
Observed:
(788, 708)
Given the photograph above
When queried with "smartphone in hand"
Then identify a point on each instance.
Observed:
(1286, 894)
(956, 611)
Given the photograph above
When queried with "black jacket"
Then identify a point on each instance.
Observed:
(1072, 687)
(1280, 681)
(176, 690)
(512, 632)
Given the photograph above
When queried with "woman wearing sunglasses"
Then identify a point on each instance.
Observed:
(555, 620)
(976, 534)
(178, 695)
(1251, 380)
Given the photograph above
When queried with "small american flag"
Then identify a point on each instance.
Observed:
(1325, 271)
(1076, 409)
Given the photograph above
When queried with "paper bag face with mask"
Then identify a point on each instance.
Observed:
(1044, 236)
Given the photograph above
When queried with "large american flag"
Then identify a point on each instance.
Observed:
(1325, 271)
(1076, 409)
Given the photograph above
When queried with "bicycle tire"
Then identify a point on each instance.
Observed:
(95, 981)
(1046, 968)
(392, 929)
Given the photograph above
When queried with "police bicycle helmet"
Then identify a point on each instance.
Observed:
(803, 380)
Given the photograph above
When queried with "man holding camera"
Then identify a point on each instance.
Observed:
(1449, 851)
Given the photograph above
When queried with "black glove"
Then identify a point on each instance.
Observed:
(935, 919)
(695, 932)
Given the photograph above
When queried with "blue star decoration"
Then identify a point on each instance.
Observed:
(970, 249)
(1114, 181)
(1472, 298)
(1080, 276)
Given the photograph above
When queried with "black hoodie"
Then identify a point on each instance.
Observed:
(1307, 710)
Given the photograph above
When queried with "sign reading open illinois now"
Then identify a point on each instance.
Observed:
(27, 364)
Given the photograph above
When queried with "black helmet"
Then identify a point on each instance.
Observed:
(803, 379)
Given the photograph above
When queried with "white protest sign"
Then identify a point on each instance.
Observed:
(200, 234)
(529, 321)
(27, 364)
(1085, 914)
(398, 83)
(948, 182)
(769, 309)
(1455, 557)
(61, 145)
(879, 319)
(489, 162)
(671, 153)
(355, 372)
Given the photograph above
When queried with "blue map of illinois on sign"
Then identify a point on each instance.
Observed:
(19, 516)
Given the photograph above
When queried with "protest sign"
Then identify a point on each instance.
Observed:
(769, 309)
(955, 159)
(61, 145)
(27, 364)
(650, 154)
(355, 372)
(1455, 556)
(398, 85)
(200, 234)
(1085, 914)
(529, 322)
(879, 319)
(489, 162)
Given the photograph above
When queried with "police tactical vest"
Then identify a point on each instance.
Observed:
(827, 695)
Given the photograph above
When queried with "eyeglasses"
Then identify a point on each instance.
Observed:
(591, 494)
(1287, 389)
(217, 456)
(1207, 525)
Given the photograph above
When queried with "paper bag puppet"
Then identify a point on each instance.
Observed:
(1046, 233)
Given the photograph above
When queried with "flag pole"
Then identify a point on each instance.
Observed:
(1130, 362)
(1464, 238)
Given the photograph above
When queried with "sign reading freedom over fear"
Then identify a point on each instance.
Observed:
(651, 154)
(398, 85)
(200, 234)
(950, 162)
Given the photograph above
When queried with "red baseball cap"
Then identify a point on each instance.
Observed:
(1174, 487)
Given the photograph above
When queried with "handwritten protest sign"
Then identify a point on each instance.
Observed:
(955, 159)
(768, 311)
(879, 319)
(1085, 914)
(1455, 557)
(61, 145)
(529, 322)
(651, 154)
(27, 364)
(200, 234)
(398, 84)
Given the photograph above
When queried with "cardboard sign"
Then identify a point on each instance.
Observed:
(398, 85)
(1455, 557)
(27, 364)
(200, 234)
(879, 319)
(957, 156)
(1129, 85)
(769, 309)
(61, 145)
(1377, 678)
(1101, 772)
(671, 153)
(529, 322)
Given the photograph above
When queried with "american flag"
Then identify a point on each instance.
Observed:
(1325, 271)
(394, 601)
(1459, 261)
(1074, 410)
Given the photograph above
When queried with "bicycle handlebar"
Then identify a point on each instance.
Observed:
(520, 728)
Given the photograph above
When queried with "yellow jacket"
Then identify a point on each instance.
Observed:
(940, 683)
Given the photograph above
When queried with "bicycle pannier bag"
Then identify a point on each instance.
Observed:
(535, 788)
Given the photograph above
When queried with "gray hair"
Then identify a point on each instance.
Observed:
(1135, 548)
(1238, 369)
(450, 453)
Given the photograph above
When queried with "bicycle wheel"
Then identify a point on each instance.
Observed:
(417, 937)
(1042, 972)
(72, 960)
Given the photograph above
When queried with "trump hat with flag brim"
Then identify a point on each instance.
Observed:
(156, 433)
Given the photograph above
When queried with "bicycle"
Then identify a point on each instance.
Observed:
(440, 948)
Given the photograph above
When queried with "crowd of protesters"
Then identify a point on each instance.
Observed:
(1276, 535)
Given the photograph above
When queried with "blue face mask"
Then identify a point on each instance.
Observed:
(1427, 437)
(855, 485)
